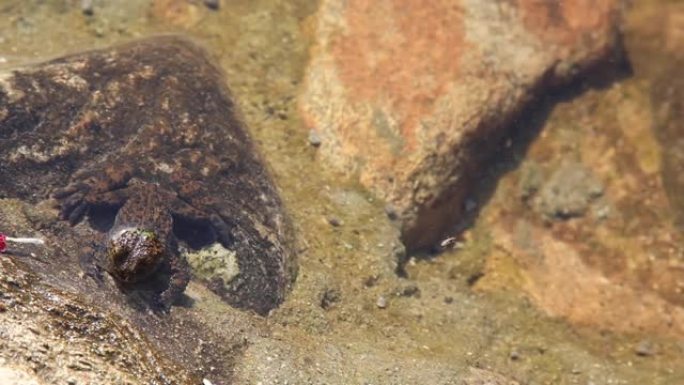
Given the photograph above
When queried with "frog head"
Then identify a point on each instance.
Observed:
(133, 254)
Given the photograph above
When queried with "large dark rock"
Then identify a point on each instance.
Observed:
(156, 110)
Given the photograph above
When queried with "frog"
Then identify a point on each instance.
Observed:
(141, 242)
(149, 130)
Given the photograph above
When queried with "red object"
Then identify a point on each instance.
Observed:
(3, 242)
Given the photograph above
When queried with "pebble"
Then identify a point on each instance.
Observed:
(391, 212)
(514, 355)
(603, 212)
(314, 138)
(409, 291)
(451, 242)
(329, 298)
(371, 280)
(645, 348)
(87, 7)
(381, 302)
(212, 4)
(334, 222)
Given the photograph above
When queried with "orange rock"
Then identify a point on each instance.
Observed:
(181, 13)
(560, 283)
(619, 266)
(413, 96)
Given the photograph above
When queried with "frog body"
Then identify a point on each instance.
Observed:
(141, 242)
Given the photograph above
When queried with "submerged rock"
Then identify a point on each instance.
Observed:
(568, 193)
(413, 98)
(621, 272)
(155, 110)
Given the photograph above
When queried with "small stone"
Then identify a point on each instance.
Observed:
(372, 280)
(603, 212)
(314, 138)
(410, 291)
(514, 355)
(87, 7)
(212, 4)
(335, 222)
(99, 31)
(645, 348)
(329, 298)
(381, 302)
(448, 300)
(391, 212)
(451, 243)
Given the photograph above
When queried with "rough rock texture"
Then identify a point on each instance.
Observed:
(414, 96)
(617, 264)
(568, 192)
(64, 327)
(666, 30)
(155, 110)
(74, 340)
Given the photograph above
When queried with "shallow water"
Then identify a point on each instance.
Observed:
(456, 318)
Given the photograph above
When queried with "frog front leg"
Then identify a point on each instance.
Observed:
(91, 187)
(179, 276)
(91, 258)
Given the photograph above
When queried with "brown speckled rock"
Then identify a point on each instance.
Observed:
(155, 110)
(413, 96)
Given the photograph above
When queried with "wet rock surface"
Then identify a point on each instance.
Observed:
(413, 99)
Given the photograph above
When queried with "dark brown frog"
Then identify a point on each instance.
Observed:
(141, 242)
